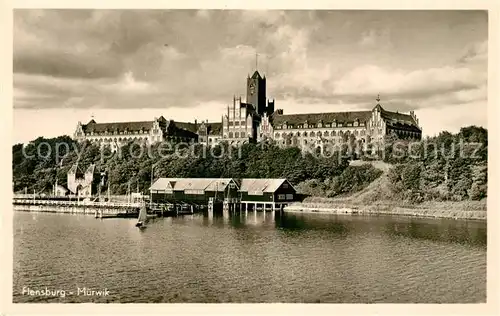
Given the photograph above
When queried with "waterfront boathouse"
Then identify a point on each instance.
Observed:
(193, 190)
(253, 193)
(274, 193)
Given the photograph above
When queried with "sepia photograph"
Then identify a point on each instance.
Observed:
(249, 156)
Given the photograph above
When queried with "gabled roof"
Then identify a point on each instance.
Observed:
(396, 116)
(219, 184)
(117, 126)
(181, 184)
(326, 118)
(261, 185)
(163, 183)
(192, 184)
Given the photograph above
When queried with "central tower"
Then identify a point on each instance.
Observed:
(256, 92)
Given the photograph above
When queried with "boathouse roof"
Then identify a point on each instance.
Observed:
(261, 185)
(181, 184)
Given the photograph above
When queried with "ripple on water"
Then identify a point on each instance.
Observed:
(287, 258)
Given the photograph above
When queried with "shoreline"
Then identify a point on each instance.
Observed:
(449, 210)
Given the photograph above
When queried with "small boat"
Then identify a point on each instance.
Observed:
(143, 217)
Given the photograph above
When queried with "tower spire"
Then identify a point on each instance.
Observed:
(256, 61)
(378, 98)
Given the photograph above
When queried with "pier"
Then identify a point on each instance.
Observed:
(176, 196)
(98, 209)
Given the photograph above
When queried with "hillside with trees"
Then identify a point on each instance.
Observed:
(38, 168)
(447, 167)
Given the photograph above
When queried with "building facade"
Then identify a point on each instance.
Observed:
(257, 120)
(116, 134)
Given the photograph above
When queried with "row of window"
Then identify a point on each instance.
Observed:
(406, 133)
(127, 139)
(319, 133)
(237, 135)
(312, 141)
(100, 140)
(194, 192)
(119, 133)
(237, 123)
(320, 125)
(285, 197)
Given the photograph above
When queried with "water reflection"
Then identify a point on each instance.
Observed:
(287, 258)
(463, 232)
(455, 231)
(239, 219)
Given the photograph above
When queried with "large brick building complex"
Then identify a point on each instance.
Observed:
(257, 120)
(150, 132)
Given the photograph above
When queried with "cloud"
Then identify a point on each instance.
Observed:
(373, 37)
(129, 85)
(181, 58)
(452, 117)
(371, 79)
(60, 64)
(475, 52)
(368, 38)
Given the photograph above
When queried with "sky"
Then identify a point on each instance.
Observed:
(131, 65)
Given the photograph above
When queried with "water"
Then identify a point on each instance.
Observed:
(254, 258)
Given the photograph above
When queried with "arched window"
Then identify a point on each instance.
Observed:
(277, 135)
(327, 134)
(334, 133)
(356, 133)
(319, 134)
(312, 134)
(305, 134)
(298, 134)
(231, 135)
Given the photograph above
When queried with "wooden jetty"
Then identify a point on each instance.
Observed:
(98, 209)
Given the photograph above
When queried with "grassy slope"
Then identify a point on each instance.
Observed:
(377, 198)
